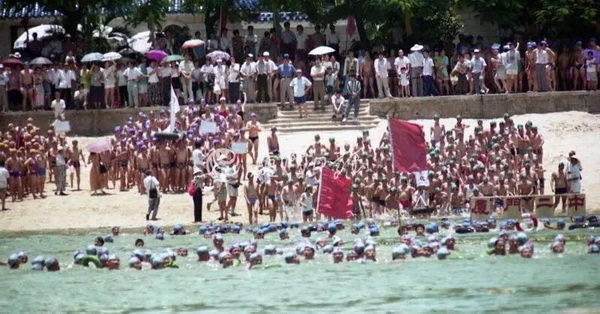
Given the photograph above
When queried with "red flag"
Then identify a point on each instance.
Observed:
(408, 145)
(334, 197)
(351, 25)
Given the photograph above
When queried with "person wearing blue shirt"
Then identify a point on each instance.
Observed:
(286, 71)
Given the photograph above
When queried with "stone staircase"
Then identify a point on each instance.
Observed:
(288, 121)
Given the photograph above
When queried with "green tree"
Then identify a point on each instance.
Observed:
(211, 9)
(150, 12)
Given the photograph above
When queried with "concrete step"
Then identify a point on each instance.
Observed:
(317, 113)
(327, 118)
(309, 122)
(331, 127)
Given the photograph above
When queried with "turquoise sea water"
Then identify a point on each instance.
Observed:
(469, 281)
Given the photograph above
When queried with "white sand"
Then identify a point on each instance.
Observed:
(562, 132)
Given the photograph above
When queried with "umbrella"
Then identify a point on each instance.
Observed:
(99, 146)
(92, 57)
(11, 62)
(218, 54)
(127, 51)
(111, 56)
(42, 31)
(172, 58)
(323, 50)
(40, 61)
(192, 43)
(595, 52)
(156, 55)
(140, 42)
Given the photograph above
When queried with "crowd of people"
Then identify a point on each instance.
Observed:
(265, 68)
(415, 241)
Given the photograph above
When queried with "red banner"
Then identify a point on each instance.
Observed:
(351, 25)
(408, 145)
(334, 196)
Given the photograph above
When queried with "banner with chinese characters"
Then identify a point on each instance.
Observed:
(576, 205)
(544, 206)
(481, 208)
(512, 208)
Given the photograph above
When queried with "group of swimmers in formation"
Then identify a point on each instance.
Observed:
(425, 242)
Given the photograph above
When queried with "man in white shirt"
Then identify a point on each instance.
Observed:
(251, 40)
(4, 175)
(401, 62)
(300, 85)
(512, 58)
(478, 66)
(248, 73)
(58, 105)
(333, 39)
(153, 187)
(61, 172)
(197, 157)
(3, 95)
(133, 75)
(382, 65)
(263, 68)
(225, 42)
(317, 72)
(186, 67)
(66, 77)
(543, 57)
(271, 74)
(234, 80)
(574, 173)
(164, 72)
(337, 102)
(428, 76)
(416, 70)
(220, 71)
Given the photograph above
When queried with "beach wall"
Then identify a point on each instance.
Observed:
(102, 122)
(486, 106)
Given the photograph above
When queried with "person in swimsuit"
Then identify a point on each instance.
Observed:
(27, 89)
(75, 156)
(32, 173)
(254, 128)
(273, 142)
(560, 186)
(306, 203)
(366, 71)
(251, 199)
(14, 167)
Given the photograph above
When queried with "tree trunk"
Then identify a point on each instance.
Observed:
(210, 20)
(362, 32)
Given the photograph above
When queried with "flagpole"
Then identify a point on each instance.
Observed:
(391, 142)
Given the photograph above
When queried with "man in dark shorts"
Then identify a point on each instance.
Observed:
(300, 85)
(560, 186)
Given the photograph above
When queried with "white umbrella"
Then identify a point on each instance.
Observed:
(323, 50)
(218, 54)
(111, 56)
(42, 31)
(92, 57)
(140, 42)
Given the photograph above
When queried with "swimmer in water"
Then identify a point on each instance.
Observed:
(255, 259)
(338, 255)
(309, 252)
(135, 263)
(202, 253)
(292, 258)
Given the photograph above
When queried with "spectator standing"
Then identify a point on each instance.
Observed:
(317, 72)
(272, 70)
(58, 105)
(265, 43)
(301, 38)
(591, 71)
(382, 65)
(275, 44)
(97, 94)
(234, 80)
(164, 72)
(199, 51)
(262, 78)
(543, 57)
(248, 72)
(186, 67)
(401, 62)
(4, 175)
(153, 187)
(110, 81)
(66, 78)
(220, 70)
(428, 75)
(286, 71)
(122, 83)
(225, 43)
(133, 75)
(61, 172)
(288, 41)
(478, 66)
(333, 40)
(3, 92)
(251, 40)
(353, 97)
(153, 86)
(34, 46)
(350, 66)
(301, 85)
(416, 70)
(237, 44)
(512, 58)
(197, 195)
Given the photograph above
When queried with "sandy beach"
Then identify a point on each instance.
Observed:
(562, 132)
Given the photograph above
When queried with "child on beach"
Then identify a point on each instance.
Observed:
(306, 202)
(404, 83)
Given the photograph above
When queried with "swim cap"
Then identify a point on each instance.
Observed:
(254, 257)
(134, 260)
(522, 238)
(443, 253)
(328, 249)
(103, 250)
(374, 231)
(560, 223)
(91, 250)
(202, 250)
(270, 249)
(38, 263)
(492, 242)
(559, 238)
(138, 253)
(51, 261)
(289, 257)
(593, 249)
(331, 228)
(178, 228)
(113, 257)
(13, 259)
(79, 257)
(160, 236)
(108, 238)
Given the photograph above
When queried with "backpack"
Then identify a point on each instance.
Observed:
(191, 188)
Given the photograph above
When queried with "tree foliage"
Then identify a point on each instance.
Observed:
(150, 12)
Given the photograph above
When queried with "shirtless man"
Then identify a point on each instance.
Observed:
(165, 158)
(15, 169)
(391, 201)
(122, 162)
(333, 150)
(529, 64)
(526, 189)
(27, 87)
(316, 149)
(41, 162)
(289, 199)
(577, 63)
(273, 193)
(437, 130)
(273, 142)
(142, 164)
(106, 158)
(501, 190)
(406, 194)
(560, 186)
(32, 172)
(486, 188)
(457, 200)
(380, 195)
(254, 128)
(75, 157)
(564, 70)
(182, 158)
(241, 138)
